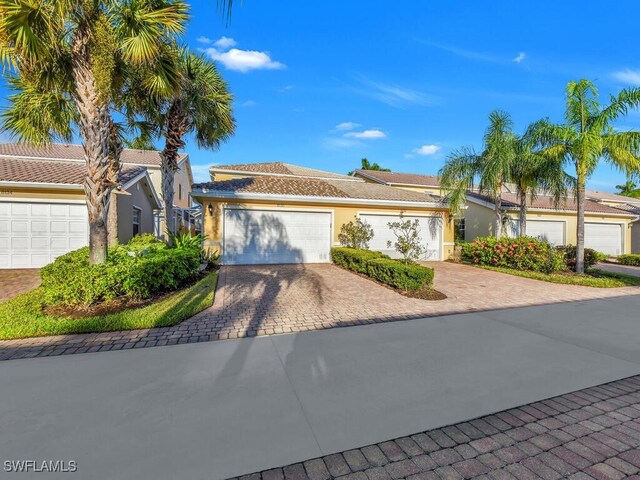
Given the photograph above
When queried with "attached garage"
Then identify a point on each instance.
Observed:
(34, 234)
(255, 236)
(430, 233)
(604, 237)
(551, 231)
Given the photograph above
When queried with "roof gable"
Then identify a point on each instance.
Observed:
(279, 169)
(400, 178)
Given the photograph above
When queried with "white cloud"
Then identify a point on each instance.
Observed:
(240, 60)
(224, 43)
(347, 126)
(426, 150)
(520, 57)
(628, 76)
(337, 143)
(249, 103)
(204, 39)
(286, 88)
(373, 133)
(394, 95)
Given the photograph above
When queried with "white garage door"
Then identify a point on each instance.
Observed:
(34, 234)
(274, 236)
(551, 232)
(430, 233)
(603, 237)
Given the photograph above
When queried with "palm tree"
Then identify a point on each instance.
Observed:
(627, 189)
(586, 137)
(67, 60)
(492, 167)
(200, 104)
(367, 165)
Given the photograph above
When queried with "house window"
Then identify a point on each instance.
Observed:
(136, 221)
(459, 226)
(180, 192)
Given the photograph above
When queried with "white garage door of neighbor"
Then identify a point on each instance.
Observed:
(603, 237)
(430, 233)
(34, 234)
(275, 236)
(550, 231)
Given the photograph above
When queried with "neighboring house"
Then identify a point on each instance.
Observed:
(408, 181)
(628, 204)
(43, 213)
(269, 213)
(607, 229)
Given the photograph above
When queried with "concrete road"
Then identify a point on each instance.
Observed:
(221, 409)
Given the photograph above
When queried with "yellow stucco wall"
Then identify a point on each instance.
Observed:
(431, 190)
(53, 194)
(341, 214)
(479, 222)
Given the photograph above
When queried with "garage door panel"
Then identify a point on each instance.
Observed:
(430, 233)
(549, 231)
(603, 237)
(30, 238)
(271, 237)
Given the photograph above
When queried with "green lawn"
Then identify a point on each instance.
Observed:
(22, 316)
(593, 278)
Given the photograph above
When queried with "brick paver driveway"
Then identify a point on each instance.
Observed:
(589, 434)
(14, 282)
(275, 299)
(617, 268)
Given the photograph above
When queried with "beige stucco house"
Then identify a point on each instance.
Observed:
(281, 213)
(627, 204)
(42, 207)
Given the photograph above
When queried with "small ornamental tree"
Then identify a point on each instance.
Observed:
(356, 234)
(408, 241)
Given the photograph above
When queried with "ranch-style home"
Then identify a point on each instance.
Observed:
(42, 208)
(268, 213)
(607, 229)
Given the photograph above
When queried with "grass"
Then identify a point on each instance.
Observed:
(23, 316)
(593, 278)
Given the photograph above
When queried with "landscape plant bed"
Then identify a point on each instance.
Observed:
(25, 315)
(592, 278)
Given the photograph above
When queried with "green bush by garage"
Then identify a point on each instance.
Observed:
(631, 259)
(403, 276)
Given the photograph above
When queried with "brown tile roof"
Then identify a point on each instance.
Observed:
(74, 152)
(53, 171)
(595, 194)
(544, 202)
(402, 178)
(633, 208)
(281, 168)
(315, 187)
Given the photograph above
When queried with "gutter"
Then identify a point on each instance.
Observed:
(61, 186)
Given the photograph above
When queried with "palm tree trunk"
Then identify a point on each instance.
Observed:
(498, 212)
(94, 130)
(523, 213)
(580, 197)
(177, 127)
(115, 149)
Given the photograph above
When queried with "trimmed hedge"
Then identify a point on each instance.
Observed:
(591, 257)
(523, 253)
(632, 259)
(380, 267)
(139, 272)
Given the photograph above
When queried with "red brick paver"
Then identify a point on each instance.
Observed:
(268, 300)
(618, 268)
(15, 282)
(552, 439)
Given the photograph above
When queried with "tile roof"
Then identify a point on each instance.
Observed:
(75, 152)
(53, 171)
(595, 194)
(544, 202)
(315, 187)
(630, 208)
(403, 178)
(281, 168)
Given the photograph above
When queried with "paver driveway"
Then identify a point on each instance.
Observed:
(275, 299)
(15, 282)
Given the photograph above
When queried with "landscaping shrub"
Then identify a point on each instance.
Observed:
(382, 268)
(591, 257)
(523, 253)
(137, 270)
(631, 259)
(356, 234)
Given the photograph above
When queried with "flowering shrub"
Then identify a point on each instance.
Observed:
(591, 257)
(524, 253)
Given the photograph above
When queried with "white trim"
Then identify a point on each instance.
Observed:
(275, 209)
(60, 186)
(249, 173)
(309, 199)
(377, 180)
(40, 200)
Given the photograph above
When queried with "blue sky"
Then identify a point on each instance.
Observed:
(323, 84)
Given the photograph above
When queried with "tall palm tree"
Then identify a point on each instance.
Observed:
(586, 137)
(66, 58)
(201, 104)
(492, 167)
